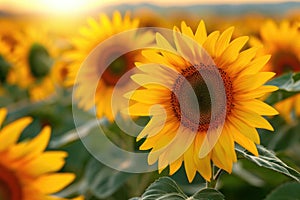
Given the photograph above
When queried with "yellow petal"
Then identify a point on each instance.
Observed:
(248, 131)
(153, 127)
(223, 41)
(258, 106)
(152, 97)
(186, 30)
(251, 82)
(243, 141)
(257, 64)
(144, 79)
(210, 42)
(253, 119)
(220, 159)
(243, 60)
(189, 164)
(201, 34)
(138, 109)
(3, 113)
(47, 162)
(227, 143)
(10, 134)
(257, 93)
(39, 143)
(163, 43)
(231, 53)
(174, 167)
(52, 183)
(182, 45)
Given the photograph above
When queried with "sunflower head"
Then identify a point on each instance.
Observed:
(208, 90)
(283, 42)
(35, 55)
(106, 66)
(26, 169)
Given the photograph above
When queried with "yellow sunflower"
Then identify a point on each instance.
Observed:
(35, 56)
(151, 18)
(207, 73)
(26, 171)
(92, 35)
(8, 26)
(283, 43)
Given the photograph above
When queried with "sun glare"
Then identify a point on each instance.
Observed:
(65, 5)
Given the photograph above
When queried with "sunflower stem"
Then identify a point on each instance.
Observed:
(216, 175)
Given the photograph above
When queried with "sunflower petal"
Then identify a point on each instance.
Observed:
(51, 183)
(10, 134)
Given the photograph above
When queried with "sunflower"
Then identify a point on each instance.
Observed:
(211, 72)
(151, 18)
(8, 26)
(26, 171)
(92, 35)
(283, 43)
(35, 56)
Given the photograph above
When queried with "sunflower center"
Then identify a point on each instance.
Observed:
(10, 188)
(39, 60)
(285, 62)
(4, 69)
(115, 70)
(194, 98)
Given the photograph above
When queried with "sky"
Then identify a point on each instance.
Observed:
(61, 6)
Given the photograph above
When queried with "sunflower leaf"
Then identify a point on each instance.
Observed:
(166, 188)
(269, 160)
(288, 84)
(103, 181)
(288, 191)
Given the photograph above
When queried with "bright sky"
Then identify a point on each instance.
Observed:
(73, 6)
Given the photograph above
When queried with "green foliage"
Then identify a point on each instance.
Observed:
(288, 84)
(268, 160)
(288, 191)
(166, 188)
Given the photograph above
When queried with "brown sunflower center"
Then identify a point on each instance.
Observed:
(116, 70)
(198, 93)
(285, 62)
(39, 60)
(10, 188)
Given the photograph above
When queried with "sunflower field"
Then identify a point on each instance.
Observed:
(150, 101)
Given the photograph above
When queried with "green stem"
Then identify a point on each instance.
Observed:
(214, 181)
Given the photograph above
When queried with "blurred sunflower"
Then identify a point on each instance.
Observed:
(91, 36)
(225, 84)
(7, 29)
(26, 171)
(283, 42)
(151, 18)
(35, 55)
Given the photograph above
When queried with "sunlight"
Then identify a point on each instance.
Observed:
(65, 5)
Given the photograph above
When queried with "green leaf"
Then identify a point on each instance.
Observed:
(288, 191)
(166, 188)
(288, 84)
(208, 194)
(269, 160)
(103, 181)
